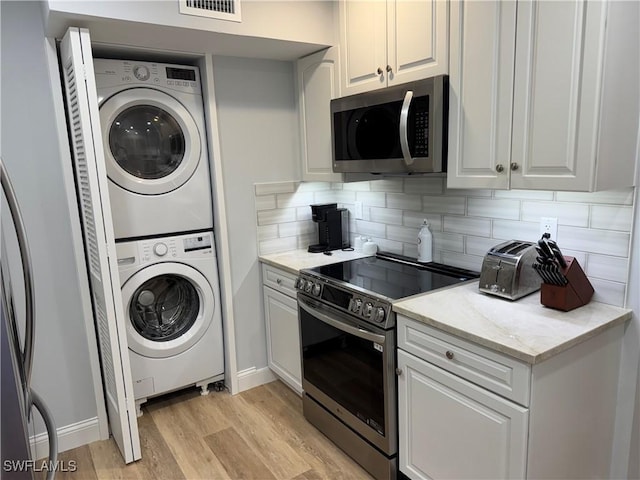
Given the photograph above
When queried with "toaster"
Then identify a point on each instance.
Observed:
(507, 270)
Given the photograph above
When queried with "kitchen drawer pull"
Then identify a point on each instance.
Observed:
(499, 168)
(279, 281)
(449, 354)
(379, 71)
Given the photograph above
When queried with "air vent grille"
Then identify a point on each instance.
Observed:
(220, 9)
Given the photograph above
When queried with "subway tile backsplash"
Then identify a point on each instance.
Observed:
(593, 227)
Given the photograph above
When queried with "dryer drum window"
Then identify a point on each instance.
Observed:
(147, 142)
(164, 308)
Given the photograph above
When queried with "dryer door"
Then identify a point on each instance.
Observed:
(169, 307)
(152, 143)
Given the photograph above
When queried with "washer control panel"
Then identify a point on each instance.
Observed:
(165, 249)
(111, 73)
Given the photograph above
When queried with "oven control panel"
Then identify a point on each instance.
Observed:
(358, 304)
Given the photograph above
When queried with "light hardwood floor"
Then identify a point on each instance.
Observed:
(258, 434)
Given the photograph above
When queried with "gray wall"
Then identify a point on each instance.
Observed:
(258, 127)
(30, 150)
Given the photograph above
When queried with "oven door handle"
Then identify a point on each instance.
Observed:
(358, 332)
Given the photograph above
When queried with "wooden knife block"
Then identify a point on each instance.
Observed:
(574, 294)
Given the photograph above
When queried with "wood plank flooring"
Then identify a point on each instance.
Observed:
(259, 434)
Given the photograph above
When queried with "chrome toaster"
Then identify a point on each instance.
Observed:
(507, 270)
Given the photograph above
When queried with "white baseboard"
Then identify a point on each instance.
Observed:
(69, 436)
(253, 377)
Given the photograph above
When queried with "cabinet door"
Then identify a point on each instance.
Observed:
(451, 428)
(556, 98)
(417, 39)
(363, 45)
(318, 82)
(480, 93)
(283, 337)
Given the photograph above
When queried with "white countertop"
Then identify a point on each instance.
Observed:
(523, 329)
(296, 260)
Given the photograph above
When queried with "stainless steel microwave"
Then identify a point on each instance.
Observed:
(400, 129)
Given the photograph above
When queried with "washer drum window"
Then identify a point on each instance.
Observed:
(164, 308)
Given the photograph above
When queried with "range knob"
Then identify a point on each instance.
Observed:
(379, 315)
(367, 310)
(356, 305)
(316, 290)
(308, 287)
(300, 284)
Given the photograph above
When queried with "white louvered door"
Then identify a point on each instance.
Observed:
(91, 179)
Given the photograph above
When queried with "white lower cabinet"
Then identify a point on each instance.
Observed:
(455, 429)
(466, 411)
(283, 331)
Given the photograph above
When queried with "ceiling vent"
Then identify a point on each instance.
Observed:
(220, 9)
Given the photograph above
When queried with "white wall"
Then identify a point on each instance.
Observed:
(258, 128)
(30, 151)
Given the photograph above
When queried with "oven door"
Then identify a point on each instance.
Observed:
(348, 367)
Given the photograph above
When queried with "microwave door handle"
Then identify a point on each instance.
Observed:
(404, 118)
(358, 332)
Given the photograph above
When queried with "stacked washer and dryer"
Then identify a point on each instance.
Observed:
(152, 122)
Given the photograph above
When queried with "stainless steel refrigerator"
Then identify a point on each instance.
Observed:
(16, 347)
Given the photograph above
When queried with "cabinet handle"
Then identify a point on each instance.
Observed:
(398, 371)
(499, 168)
(449, 354)
(379, 71)
(279, 281)
(389, 69)
(514, 166)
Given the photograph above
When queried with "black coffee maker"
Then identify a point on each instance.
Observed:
(333, 227)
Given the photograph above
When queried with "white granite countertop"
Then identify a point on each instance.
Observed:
(296, 260)
(523, 329)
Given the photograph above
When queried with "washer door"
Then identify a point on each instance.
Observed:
(151, 142)
(169, 307)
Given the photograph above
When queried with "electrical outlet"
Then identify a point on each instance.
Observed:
(549, 225)
(358, 210)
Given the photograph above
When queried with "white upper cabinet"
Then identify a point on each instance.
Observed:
(387, 43)
(317, 83)
(546, 99)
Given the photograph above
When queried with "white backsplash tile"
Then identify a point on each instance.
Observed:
(480, 227)
(524, 194)
(267, 232)
(612, 218)
(371, 228)
(592, 227)
(573, 214)
(494, 208)
(612, 293)
(444, 204)
(265, 202)
(424, 186)
(403, 201)
(389, 216)
(280, 215)
(614, 197)
(605, 242)
(606, 268)
(371, 199)
(402, 234)
(291, 229)
(387, 185)
(276, 187)
(526, 231)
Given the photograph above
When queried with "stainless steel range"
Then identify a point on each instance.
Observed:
(348, 338)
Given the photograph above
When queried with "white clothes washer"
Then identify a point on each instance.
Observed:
(153, 134)
(170, 295)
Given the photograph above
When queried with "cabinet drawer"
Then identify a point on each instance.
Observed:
(498, 373)
(279, 280)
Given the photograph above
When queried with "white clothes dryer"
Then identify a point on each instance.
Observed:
(154, 141)
(170, 295)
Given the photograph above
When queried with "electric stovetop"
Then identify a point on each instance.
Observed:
(394, 276)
